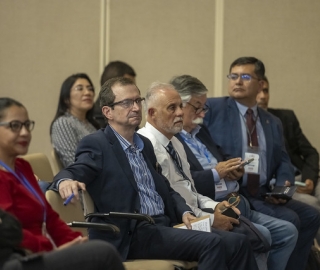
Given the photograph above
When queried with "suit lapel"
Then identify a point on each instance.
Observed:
(120, 155)
(191, 157)
(235, 126)
(266, 124)
(206, 139)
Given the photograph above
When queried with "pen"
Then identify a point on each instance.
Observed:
(68, 199)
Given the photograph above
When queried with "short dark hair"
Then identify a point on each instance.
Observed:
(6, 103)
(106, 96)
(188, 86)
(116, 69)
(259, 68)
(265, 78)
(64, 98)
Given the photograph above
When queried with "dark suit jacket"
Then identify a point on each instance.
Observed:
(303, 156)
(224, 125)
(103, 166)
(203, 179)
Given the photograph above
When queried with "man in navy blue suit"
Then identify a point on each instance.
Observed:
(241, 129)
(119, 169)
(216, 176)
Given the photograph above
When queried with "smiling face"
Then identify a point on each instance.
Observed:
(245, 91)
(14, 143)
(81, 96)
(166, 114)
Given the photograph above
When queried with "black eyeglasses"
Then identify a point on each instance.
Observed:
(16, 126)
(245, 77)
(127, 103)
(198, 110)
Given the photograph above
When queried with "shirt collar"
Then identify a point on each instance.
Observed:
(192, 134)
(243, 109)
(137, 141)
(160, 137)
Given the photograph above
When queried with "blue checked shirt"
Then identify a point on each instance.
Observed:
(150, 201)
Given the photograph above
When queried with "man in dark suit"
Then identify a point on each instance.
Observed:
(303, 155)
(216, 176)
(121, 173)
(241, 129)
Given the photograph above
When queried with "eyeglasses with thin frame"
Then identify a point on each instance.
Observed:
(198, 110)
(16, 125)
(233, 201)
(127, 103)
(243, 76)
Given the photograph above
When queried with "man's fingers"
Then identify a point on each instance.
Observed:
(68, 187)
(234, 221)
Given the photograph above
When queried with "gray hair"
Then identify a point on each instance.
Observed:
(188, 86)
(151, 95)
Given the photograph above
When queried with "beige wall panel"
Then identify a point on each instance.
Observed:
(161, 39)
(284, 35)
(42, 43)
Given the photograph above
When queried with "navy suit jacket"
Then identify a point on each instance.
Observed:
(302, 154)
(103, 166)
(224, 125)
(203, 179)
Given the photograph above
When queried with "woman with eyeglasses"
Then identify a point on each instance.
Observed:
(20, 195)
(74, 116)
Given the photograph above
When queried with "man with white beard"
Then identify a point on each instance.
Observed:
(213, 175)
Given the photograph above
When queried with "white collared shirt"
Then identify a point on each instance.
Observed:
(171, 172)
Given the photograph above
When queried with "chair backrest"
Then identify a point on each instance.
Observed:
(40, 165)
(71, 212)
(57, 165)
(88, 205)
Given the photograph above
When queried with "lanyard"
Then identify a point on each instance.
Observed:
(249, 132)
(200, 148)
(22, 179)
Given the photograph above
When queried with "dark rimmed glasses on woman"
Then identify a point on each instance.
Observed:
(16, 125)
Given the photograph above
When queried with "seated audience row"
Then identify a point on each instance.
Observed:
(120, 171)
(166, 116)
(123, 171)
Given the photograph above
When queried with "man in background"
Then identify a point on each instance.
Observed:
(303, 155)
(241, 128)
(112, 70)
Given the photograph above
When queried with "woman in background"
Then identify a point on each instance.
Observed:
(74, 117)
(20, 195)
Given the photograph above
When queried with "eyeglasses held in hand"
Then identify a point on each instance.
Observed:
(16, 125)
(244, 77)
(232, 201)
(127, 103)
(197, 110)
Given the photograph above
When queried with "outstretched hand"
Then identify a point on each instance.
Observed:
(67, 187)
